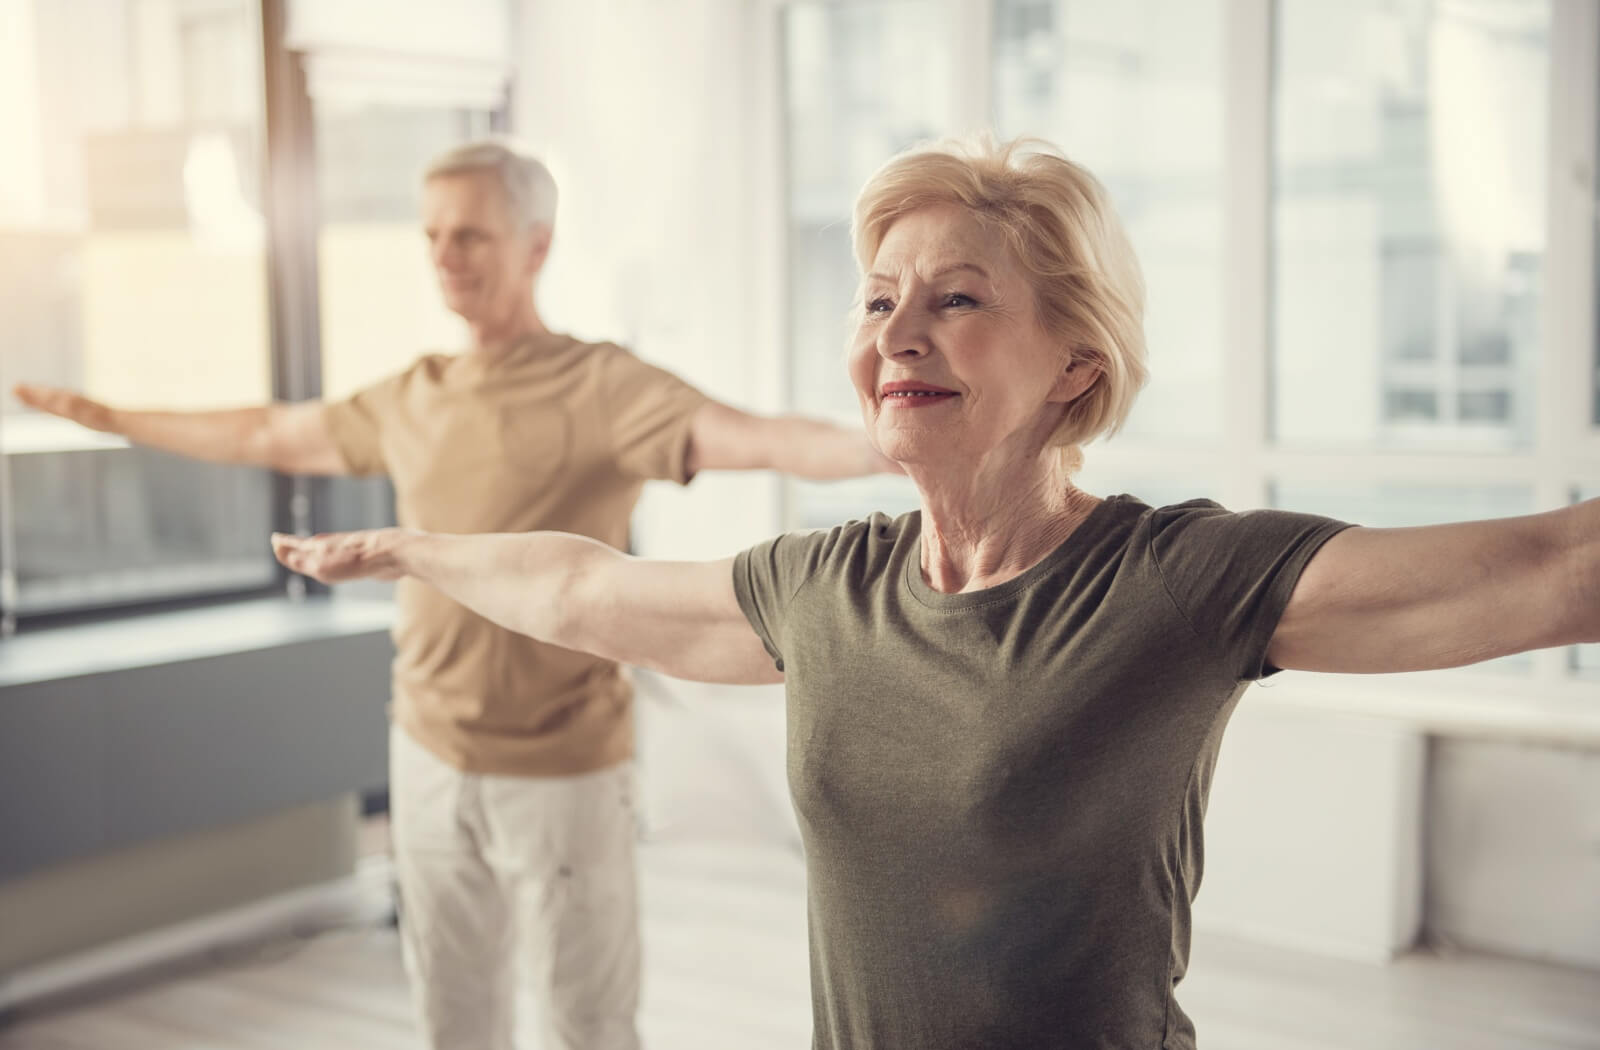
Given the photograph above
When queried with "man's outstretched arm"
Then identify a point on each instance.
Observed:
(724, 438)
(290, 438)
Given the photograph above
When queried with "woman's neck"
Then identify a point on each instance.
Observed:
(988, 529)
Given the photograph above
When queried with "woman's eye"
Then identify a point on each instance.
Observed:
(879, 306)
(957, 299)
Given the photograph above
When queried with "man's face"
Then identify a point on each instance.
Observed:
(486, 265)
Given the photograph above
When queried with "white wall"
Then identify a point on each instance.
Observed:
(1514, 849)
(1313, 833)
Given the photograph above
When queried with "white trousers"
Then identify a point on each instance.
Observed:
(511, 883)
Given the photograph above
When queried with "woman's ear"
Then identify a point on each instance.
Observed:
(1083, 368)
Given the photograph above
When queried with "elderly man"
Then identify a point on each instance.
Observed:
(509, 758)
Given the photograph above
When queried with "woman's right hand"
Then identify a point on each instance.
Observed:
(338, 557)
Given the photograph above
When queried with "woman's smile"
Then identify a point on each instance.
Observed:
(914, 395)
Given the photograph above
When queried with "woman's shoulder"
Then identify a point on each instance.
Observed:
(857, 548)
(1206, 529)
(1132, 523)
(1198, 507)
(1124, 518)
(1197, 511)
(874, 535)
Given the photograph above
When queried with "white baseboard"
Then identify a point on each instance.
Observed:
(360, 898)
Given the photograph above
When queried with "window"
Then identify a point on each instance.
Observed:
(1408, 271)
(132, 244)
(1133, 91)
(379, 302)
(1410, 169)
(1085, 76)
(384, 100)
(1377, 333)
(135, 258)
(846, 117)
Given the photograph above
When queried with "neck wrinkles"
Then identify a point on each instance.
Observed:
(993, 526)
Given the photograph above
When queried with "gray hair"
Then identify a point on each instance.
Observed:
(529, 188)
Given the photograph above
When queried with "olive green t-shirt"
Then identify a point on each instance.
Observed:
(1001, 792)
(557, 434)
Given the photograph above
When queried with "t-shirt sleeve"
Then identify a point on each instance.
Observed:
(650, 411)
(356, 424)
(1231, 575)
(767, 577)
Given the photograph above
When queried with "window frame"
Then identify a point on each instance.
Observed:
(11, 620)
(293, 316)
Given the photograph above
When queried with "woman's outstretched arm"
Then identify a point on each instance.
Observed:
(1376, 600)
(679, 618)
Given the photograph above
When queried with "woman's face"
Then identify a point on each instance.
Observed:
(950, 361)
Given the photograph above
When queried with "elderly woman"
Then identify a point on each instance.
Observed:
(1004, 708)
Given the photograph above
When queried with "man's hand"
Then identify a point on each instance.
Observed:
(68, 405)
(336, 557)
(291, 438)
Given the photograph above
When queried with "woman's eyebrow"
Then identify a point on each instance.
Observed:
(943, 272)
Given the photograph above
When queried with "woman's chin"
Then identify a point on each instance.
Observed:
(911, 454)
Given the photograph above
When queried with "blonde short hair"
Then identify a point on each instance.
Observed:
(529, 187)
(1062, 229)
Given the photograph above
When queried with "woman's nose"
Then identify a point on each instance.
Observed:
(902, 337)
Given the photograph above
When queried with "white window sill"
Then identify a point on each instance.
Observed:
(34, 434)
(1453, 703)
(188, 634)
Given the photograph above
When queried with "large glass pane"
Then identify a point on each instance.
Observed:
(1393, 505)
(1401, 505)
(1134, 92)
(131, 266)
(864, 81)
(1410, 172)
(380, 302)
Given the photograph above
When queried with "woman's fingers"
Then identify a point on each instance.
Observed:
(315, 556)
(291, 552)
(331, 557)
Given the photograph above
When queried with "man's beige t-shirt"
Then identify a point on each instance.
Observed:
(558, 435)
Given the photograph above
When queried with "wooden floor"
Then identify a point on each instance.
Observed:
(726, 968)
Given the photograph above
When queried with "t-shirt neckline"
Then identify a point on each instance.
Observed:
(1091, 526)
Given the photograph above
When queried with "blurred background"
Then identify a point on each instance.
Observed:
(1368, 232)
